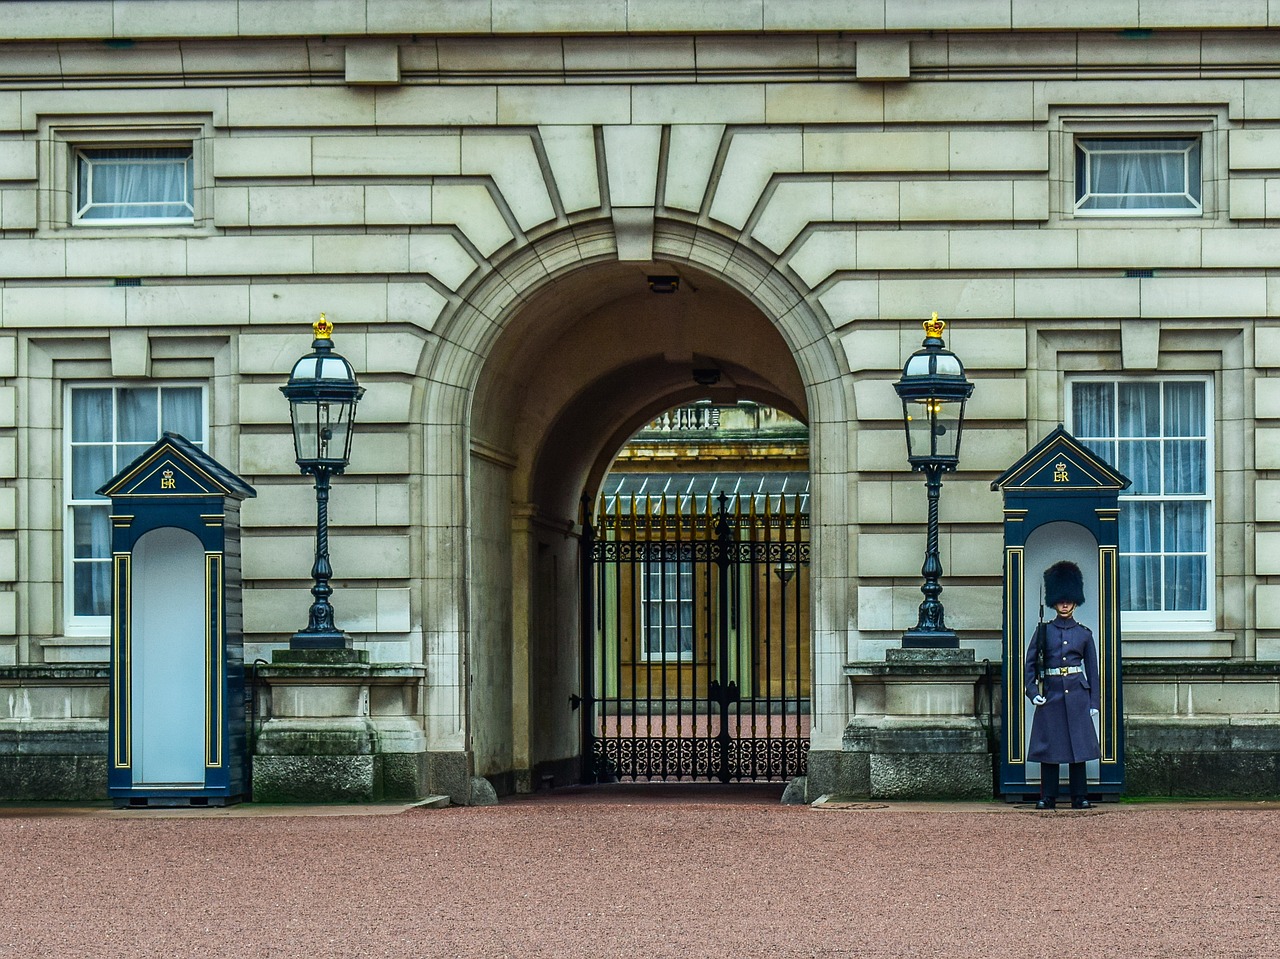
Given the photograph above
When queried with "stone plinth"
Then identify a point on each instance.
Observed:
(916, 731)
(53, 733)
(1202, 729)
(331, 728)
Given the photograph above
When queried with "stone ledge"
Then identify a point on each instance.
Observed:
(363, 672)
(1177, 670)
(44, 673)
(914, 671)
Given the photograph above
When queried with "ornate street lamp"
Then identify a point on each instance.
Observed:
(322, 393)
(933, 390)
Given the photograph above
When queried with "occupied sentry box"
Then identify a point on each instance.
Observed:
(1061, 501)
(176, 728)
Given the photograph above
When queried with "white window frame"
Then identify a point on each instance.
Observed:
(85, 155)
(91, 625)
(663, 570)
(1084, 147)
(1169, 620)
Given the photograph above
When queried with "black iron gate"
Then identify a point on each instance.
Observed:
(696, 639)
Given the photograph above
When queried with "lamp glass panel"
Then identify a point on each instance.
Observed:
(948, 364)
(919, 429)
(322, 431)
(334, 368)
(917, 365)
(933, 428)
(335, 430)
(306, 430)
(305, 368)
(946, 428)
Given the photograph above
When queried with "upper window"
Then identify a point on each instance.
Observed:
(134, 186)
(1157, 433)
(109, 428)
(1132, 177)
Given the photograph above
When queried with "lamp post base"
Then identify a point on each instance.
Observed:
(930, 639)
(320, 639)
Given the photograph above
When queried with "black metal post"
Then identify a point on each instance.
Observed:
(586, 573)
(321, 633)
(931, 631)
(724, 690)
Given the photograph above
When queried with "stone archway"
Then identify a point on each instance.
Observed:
(552, 362)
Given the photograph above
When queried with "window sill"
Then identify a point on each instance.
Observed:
(1209, 644)
(132, 231)
(76, 649)
(1136, 214)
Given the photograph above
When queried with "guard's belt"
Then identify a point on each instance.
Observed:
(1063, 670)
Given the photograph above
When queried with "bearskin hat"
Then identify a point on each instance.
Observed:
(1063, 583)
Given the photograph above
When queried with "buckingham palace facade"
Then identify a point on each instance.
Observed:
(537, 227)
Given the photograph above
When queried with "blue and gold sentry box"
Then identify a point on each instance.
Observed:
(176, 732)
(1061, 501)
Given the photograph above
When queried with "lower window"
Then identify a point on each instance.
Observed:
(108, 427)
(668, 610)
(1157, 433)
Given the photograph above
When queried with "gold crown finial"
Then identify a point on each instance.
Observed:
(324, 329)
(934, 326)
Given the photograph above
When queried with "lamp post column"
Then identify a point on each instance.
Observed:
(321, 631)
(931, 631)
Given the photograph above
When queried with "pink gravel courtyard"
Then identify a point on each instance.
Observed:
(645, 871)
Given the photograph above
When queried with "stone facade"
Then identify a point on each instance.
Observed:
(475, 193)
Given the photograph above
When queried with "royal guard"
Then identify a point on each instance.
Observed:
(1062, 682)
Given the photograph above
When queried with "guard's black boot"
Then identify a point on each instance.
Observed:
(1079, 802)
(1047, 804)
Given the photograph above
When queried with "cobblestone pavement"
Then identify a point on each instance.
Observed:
(644, 872)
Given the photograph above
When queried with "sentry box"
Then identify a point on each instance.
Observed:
(1061, 501)
(176, 728)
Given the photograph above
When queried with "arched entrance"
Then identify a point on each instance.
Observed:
(577, 359)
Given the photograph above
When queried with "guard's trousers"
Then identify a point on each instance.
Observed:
(1049, 785)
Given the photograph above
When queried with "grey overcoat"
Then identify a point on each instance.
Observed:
(1062, 730)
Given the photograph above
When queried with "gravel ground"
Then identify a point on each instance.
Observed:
(645, 872)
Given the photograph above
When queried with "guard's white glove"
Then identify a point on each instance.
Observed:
(1039, 700)
(1093, 712)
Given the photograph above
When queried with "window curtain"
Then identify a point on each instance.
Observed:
(1131, 174)
(110, 428)
(669, 609)
(135, 184)
(92, 568)
(1138, 415)
(1156, 435)
(136, 419)
(1185, 523)
(181, 412)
